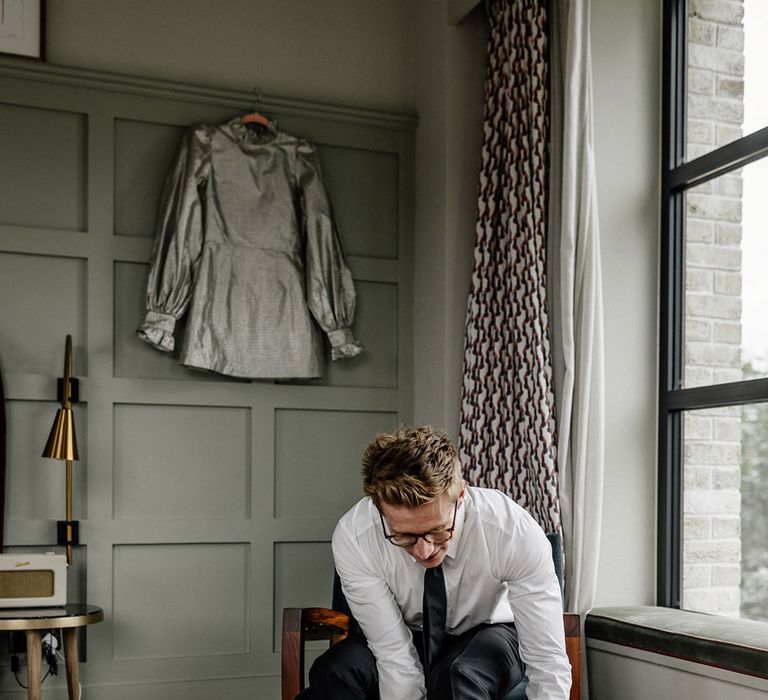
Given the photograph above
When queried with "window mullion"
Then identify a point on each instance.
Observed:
(669, 562)
(721, 161)
(713, 396)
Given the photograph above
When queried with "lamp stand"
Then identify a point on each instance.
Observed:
(62, 445)
(68, 531)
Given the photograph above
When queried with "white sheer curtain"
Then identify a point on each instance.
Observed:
(575, 284)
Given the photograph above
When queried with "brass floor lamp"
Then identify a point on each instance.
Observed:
(62, 445)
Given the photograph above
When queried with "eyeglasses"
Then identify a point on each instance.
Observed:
(408, 539)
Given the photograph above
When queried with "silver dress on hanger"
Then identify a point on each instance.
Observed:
(247, 248)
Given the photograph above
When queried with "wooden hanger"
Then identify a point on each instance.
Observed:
(254, 118)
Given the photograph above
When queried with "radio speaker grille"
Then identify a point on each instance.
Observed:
(26, 584)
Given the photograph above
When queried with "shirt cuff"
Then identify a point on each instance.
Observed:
(157, 330)
(343, 344)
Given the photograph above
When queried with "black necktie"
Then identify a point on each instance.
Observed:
(433, 615)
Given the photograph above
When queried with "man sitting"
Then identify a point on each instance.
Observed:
(453, 586)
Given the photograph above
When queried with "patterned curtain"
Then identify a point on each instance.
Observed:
(507, 432)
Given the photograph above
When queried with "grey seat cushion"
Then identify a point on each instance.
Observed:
(729, 643)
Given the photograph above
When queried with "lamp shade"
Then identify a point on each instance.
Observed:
(62, 442)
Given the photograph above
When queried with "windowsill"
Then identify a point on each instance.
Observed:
(727, 643)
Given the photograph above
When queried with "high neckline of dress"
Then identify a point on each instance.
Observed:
(253, 135)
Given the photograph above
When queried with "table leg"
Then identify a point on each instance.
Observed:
(70, 657)
(34, 664)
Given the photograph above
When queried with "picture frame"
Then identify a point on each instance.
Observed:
(21, 28)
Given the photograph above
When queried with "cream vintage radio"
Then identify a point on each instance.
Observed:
(33, 580)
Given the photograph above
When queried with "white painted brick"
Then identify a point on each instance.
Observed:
(714, 453)
(699, 230)
(720, 109)
(726, 133)
(713, 256)
(728, 38)
(697, 527)
(713, 355)
(726, 575)
(727, 333)
(713, 306)
(701, 82)
(697, 376)
(707, 187)
(700, 330)
(724, 375)
(702, 32)
(697, 575)
(712, 551)
(726, 11)
(726, 526)
(728, 283)
(721, 411)
(730, 87)
(727, 429)
(698, 427)
(727, 233)
(697, 478)
(729, 185)
(720, 60)
(714, 208)
(727, 478)
(698, 280)
(695, 150)
(700, 131)
(718, 601)
(712, 502)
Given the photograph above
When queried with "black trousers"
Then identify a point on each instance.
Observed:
(481, 664)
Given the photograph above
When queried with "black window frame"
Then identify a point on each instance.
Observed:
(678, 176)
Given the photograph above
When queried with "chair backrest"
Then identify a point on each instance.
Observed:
(299, 626)
(556, 542)
(339, 602)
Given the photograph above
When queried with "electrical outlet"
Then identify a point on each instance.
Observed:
(51, 641)
(50, 644)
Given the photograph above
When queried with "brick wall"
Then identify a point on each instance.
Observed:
(712, 452)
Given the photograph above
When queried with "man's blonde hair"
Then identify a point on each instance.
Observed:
(411, 467)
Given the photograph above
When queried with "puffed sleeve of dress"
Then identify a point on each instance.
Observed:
(330, 289)
(178, 241)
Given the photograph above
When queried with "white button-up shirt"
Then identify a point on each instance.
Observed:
(498, 569)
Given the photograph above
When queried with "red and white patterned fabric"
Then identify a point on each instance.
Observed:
(507, 431)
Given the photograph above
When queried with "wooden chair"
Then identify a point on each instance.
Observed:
(301, 625)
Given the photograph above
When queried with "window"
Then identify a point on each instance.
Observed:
(713, 398)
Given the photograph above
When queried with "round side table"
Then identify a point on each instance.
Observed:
(35, 621)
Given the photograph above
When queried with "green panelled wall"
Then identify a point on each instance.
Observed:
(206, 504)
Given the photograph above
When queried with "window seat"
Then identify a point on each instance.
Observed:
(727, 643)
